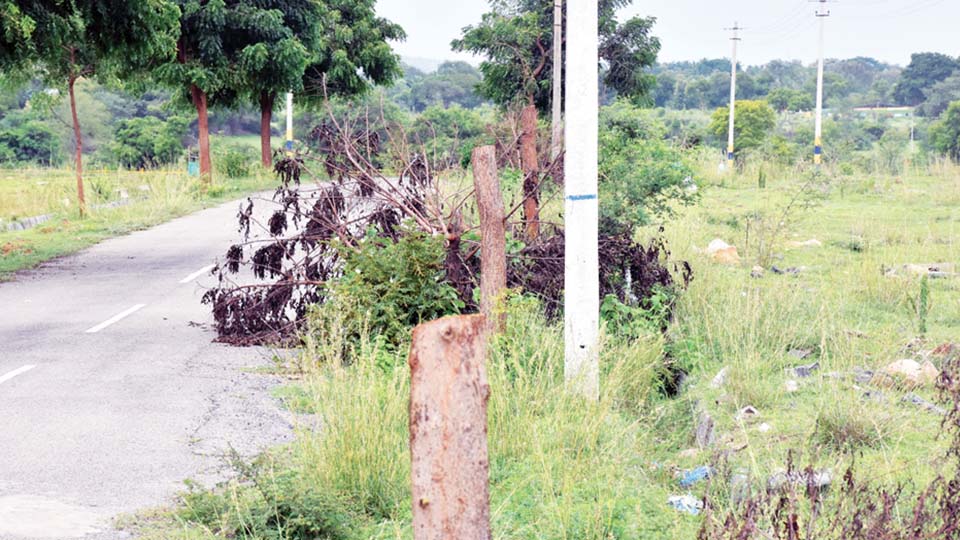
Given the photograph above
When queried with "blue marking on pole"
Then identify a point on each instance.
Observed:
(730, 156)
(817, 150)
(581, 197)
(289, 145)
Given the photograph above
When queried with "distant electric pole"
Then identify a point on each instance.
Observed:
(581, 297)
(557, 104)
(288, 145)
(733, 92)
(822, 14)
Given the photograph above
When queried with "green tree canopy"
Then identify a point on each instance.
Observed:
(924, 71)
(940, 96)
(788, 99)
(753, 122)
(516, 38)
(945, 134)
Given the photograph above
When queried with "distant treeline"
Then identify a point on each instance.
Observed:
(931, 81)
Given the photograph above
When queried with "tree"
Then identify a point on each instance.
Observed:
(788, 99)
(516, 38)
(753, 123)
(945, 134)
(321, 48)
(940, 96)
(924, 70)
(148, 142)
(79, 39)
(454, 83)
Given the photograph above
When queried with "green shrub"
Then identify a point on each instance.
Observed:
(235, 161)
(945, 134)
(24, 138)
(147, 142)
(642, 176)
(388, 287)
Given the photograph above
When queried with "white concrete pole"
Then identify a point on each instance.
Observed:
(557, 114)
(822, 15)
(289, 138)
(581, 265)
(733, 94)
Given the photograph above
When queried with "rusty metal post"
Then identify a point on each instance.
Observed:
(448, 430)
(493, 236)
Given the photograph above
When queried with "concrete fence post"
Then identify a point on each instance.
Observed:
(493, 236)
(448, 430)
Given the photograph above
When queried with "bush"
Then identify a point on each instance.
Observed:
(389, 286)
(641, 175)
(754, 121)
(945, 134)
(235, 161)
(147, 142)
(24, 138)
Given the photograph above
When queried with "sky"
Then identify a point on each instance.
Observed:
(888, 30)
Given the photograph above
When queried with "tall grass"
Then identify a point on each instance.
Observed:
(560, 467)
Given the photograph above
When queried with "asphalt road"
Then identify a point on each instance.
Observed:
(111, 390)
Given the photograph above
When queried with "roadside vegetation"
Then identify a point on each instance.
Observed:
(779, 339)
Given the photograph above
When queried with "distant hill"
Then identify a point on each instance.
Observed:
(426, 65)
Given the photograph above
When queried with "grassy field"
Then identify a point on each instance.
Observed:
(564, 469)
(145, 199)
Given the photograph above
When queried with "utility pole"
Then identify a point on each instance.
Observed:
(288, 145)
(557, 114)
(822, 14)
(733, 92)
(581, 304)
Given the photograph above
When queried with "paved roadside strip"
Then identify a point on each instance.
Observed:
(111, 388)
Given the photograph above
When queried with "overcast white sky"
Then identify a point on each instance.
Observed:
(692, 29)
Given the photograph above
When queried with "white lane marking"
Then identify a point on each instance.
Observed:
(115, 318)
(14, 373)
(197, 274)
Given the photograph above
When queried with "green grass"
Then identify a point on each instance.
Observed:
(565, 469)
(156, 196)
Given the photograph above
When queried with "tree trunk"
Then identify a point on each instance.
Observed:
(448, 430)
(78, 137)
(531, 167)
(199, 98)
(493, 258)
(266, 114)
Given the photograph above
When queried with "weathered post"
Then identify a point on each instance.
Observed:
(448, 430)
(493, 240)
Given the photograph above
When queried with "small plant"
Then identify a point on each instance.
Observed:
(923, 307)
(652, 315)
(920, 305)
(847, 431)
(235, 161)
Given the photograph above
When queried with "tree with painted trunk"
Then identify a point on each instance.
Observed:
(516, 38)
(69, 41)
